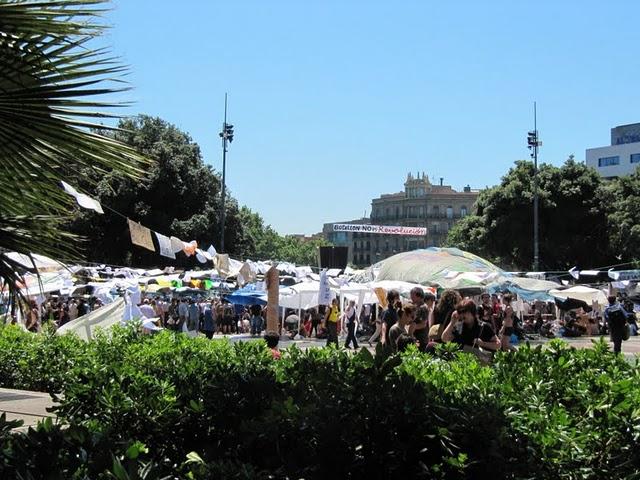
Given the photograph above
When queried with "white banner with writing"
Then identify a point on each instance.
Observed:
(380, 229)
(324, 294)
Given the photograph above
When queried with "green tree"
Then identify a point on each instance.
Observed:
(267, 244)
(179, 195)
(52, 80)
(622, 200)
(573, 219)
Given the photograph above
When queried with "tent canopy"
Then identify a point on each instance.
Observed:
(457, 269)
(580, 292)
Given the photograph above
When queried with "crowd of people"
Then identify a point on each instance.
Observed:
(56, 311)
(487, 324)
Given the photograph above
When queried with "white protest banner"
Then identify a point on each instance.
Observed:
(380, 229)
(324, 295)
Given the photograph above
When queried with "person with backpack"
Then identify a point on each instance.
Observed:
(616, 317)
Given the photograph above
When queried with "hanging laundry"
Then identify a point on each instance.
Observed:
(165, 246)
(140, 235)
(222, 264)
(176, 244)
(190, 248)
(83, 200)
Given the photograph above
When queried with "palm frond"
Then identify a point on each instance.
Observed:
(54, 83)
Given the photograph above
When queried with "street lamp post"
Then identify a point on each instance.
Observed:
(227, 136)
(533, 143)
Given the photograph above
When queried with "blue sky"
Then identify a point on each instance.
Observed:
(334, 102)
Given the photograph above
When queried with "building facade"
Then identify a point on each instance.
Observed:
(620, 158)
(421, 204)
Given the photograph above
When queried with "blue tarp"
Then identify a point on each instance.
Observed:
(247, 295)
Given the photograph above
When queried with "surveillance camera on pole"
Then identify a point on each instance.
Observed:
(227, 136)
(533, 143)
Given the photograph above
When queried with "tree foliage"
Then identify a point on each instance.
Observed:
(268, 244)
(622, 200)
(573, 229)
(178, 195)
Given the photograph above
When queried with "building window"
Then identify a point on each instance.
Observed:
(387, 213)
(449, 211)
(421, 212)
(608, 161)
(435, 228)
(635, 158)
(435, 210)
(397, 212)
(463, 211)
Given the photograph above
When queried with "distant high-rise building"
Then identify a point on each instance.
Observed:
(620, 158)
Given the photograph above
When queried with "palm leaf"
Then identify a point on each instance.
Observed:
(53, 82)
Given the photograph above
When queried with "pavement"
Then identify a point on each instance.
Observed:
(30, 407)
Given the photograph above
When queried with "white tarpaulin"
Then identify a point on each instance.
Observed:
(86, 326)
(41, 263)
(580, 292)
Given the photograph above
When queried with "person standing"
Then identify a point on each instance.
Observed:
(83, 308)
(315, 321)
(419, 328)
(33, 318)
(444, 309)
(389, 316)
(378, 331)
(331, 322)
(73, 309)
(406, 316)
(183, 312)
(209, 323)
(256, 319)
(616, 317)
(507, 323)
(350, 319)
(193, 318)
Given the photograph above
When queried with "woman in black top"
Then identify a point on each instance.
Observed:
(389, 315)
(444, 308)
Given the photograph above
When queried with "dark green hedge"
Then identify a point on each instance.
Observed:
(170, 406)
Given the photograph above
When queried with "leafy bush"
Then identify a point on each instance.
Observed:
(135, 406)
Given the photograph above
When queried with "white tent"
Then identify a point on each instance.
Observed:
(580, 292)
(104, 317)
(301, 296)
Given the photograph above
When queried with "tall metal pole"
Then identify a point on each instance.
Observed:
(536, 251)
(224, 168)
